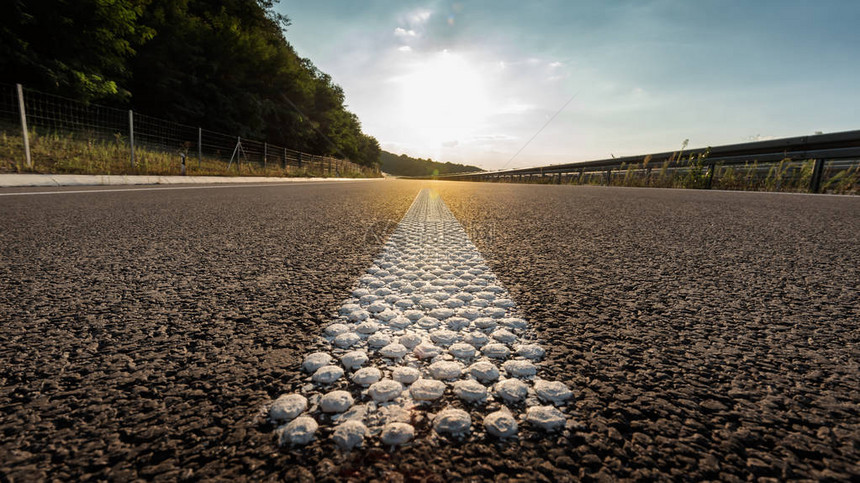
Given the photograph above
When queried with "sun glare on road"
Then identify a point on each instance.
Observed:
(444, 95)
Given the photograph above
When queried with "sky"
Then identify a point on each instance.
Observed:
(504, 84)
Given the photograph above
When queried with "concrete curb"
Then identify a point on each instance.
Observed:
(22, 180)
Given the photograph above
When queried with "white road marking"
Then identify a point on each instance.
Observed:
(163, 188)
(428, 329)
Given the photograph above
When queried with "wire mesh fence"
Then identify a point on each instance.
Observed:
(66, 135)
(9, 119)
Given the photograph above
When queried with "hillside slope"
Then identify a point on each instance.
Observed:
(404, 165)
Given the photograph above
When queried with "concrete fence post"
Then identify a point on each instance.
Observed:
(24, 126)
(131, 134)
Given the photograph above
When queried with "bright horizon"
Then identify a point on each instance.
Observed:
(472, 82)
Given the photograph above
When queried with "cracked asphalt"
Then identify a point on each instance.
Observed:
(705, 335)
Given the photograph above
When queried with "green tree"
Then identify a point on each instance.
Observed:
(404, 165)
(79, 48)
(222, 64)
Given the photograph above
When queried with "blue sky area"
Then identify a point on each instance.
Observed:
(473, 81)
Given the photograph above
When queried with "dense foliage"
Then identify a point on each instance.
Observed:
(404, 165)
(222, 64)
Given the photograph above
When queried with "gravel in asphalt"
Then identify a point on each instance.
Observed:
(142, 330)
(704, 335)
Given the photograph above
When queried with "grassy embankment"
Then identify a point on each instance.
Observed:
(67, 154)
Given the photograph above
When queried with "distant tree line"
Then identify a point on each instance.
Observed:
(222, 64)
(404, 165)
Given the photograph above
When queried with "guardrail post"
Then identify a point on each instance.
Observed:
(199, 147)
(817, 174)
(24, 126)
(265, 155)
(710, 181)
(299, 155)
(284, 159)
(609, 177)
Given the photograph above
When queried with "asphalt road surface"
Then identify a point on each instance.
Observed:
(705, 335)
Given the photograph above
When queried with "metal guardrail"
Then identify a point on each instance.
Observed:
(828, 155)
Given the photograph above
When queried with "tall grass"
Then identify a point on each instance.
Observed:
(697, 172)
(846, 181)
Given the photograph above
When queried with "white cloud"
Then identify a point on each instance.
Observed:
(405, 48)
(759, 137)
(402, 32)
(419, 17)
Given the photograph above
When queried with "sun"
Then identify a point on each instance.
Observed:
(445, 96)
